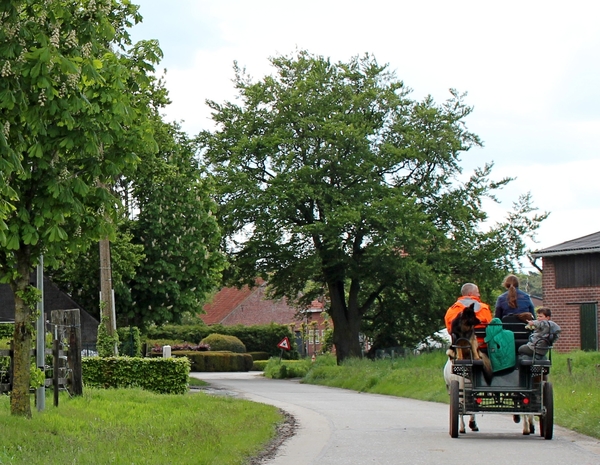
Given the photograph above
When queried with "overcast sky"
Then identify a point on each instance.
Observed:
(531, 70)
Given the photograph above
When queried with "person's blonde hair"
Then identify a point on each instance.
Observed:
(511, 282)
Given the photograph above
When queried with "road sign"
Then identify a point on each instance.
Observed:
(284, 344)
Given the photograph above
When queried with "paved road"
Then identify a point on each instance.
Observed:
(341, 427)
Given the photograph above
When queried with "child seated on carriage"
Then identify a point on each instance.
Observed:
(545, 332)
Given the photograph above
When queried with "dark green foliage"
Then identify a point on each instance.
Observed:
(130, 342)
(224, 342)
(257, 338)
(7, 330)
(161, 375)
(216, 361)
(259, 356)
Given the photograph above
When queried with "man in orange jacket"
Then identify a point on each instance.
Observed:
(470, 294)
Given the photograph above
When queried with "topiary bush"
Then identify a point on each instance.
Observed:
(219, 342)
(216, 361)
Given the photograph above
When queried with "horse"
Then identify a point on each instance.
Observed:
(449, 376)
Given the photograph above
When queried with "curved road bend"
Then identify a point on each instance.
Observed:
(341, 427)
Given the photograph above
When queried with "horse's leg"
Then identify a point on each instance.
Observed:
(462, 425)
(473, 424)
(528, 425)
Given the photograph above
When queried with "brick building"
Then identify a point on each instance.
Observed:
(571, 287)
(251, 306)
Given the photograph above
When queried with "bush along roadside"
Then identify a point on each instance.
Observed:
(282, 369)
(161, 375)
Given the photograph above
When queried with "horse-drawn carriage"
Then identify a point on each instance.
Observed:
(522, 389)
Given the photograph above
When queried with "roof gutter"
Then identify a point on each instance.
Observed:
(565, 252)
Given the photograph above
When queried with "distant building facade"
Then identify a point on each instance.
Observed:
(251, 306)
(571, 289)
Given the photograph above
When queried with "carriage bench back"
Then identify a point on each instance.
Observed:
(512, 323)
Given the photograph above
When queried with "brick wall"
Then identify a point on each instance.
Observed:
(565, 310)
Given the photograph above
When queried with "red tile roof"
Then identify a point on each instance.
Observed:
(223, 303)
(232, 306)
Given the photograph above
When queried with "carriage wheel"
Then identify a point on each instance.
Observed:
(548, 418)
(454, 408)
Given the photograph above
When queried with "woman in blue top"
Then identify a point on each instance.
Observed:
(513, 301)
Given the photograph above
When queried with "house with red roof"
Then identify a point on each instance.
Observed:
(251, 306)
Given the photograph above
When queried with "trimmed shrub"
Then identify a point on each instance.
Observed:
(161, 375)
(216, 361)
(259, 365)
(256, 338)
(224, 342)
(283, 369)
(259, 356)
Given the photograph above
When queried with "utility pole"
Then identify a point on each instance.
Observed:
(107, 308)
(40, 342)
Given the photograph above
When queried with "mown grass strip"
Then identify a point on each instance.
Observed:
(131, 426)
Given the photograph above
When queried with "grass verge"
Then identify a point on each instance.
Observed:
(575, 379)
(131, 426)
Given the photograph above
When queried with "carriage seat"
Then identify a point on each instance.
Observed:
(512, 323)
(529, 361)
(468, 362)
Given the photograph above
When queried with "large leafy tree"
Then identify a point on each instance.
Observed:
(167, 254)
(332, 180)
(177, 227)
(69, 94)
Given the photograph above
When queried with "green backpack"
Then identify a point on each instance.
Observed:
(501, 346)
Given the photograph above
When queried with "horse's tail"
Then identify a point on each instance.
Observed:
(488, 373)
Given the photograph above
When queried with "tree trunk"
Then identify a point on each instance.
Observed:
(346, 324)
(20, 403)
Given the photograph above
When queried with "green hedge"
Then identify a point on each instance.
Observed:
(259, 356)
(218, 342)
(259, 365)
(161, 375)
(257, 338)
(216, 361)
